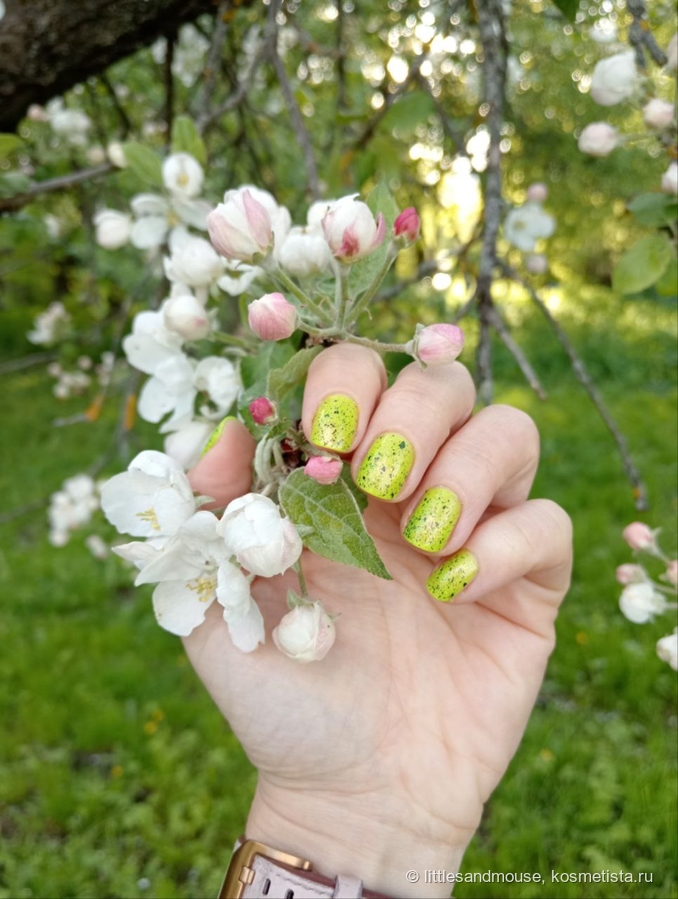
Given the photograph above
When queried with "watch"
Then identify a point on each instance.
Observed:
(258, 871)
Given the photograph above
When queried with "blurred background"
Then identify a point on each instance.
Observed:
(117, 776)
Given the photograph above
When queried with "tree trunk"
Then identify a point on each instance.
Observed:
(47, 46)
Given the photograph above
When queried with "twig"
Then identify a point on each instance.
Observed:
(213, 56)
(236, 98)
(582, 375)
(455, 136)
(523, 362)
(169, 87)
(26, 362)
(640, 36)
(12, 204)
(296, 118)
(125, 123)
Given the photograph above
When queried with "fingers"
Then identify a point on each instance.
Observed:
(532, 540)
(225, 470)
(490, 461)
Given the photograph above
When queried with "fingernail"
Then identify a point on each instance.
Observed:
(453, 576)
(386, 466)
(216, 434)
(335, 423)
(433, 520)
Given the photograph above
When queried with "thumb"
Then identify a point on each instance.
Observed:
(225, 470)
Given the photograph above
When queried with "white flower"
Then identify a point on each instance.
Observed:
(304, 253)
(156, 217)
(527, 224)
(97, 546)
(193, 260)
(614, 79)
(170, 389)
(640, 602)
(658, 113)
(317, 212)
(153, 498)
(186, 444)
(50, 325)
(70, 124)
(238, 277)
(667, 649)
(113, 228)
(669, 182)
(150, 342)
(281, 220)
(262, 541)
(116, 155)
(187, 316)
(306, 634)
(604, 31)
(71, 507)
(219, 378)
(240, 228)
(183, 174)
(598, 139)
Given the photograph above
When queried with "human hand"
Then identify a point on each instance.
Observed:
(379, 759)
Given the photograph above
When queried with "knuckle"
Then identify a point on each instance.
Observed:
(556, 521)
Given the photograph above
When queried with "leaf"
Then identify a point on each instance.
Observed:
(143, 162)
(281, 380)
(14, 183)
(356, 492)
(642, 265)
(409, 111)
(568, 8)
(9, 143)
(185, 139)
(667, 285)
(255, 369)
(365, 270)
(338, 531)
(653, 209)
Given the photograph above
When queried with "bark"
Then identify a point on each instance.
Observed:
(47, 46)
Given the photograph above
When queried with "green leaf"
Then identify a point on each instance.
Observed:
(642, 265)
(568, 8)
(143, 162)
(255, 369)
(654, 210)
(14, 183)
(185, 139)
(365, 270)
(667, 285)
(356, 492)
(409, 111)
(9, 143)
(281, 380)
(337, 528)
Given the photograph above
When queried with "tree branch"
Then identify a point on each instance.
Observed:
(11, 204)
(524, 364)
(640, 36)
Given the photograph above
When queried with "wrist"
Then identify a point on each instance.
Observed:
(361, 835)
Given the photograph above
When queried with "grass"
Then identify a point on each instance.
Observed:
(118, 777)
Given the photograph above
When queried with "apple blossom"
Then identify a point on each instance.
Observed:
(240, 228)
(614, 79)
(71, 507)
(407, 225)
(598, 139)
(639, 536)
(170, 389)
(527, 224)
(150, 342)
(306, 633)
(98, 547)
(187, 316)
(113, 228)
(536, 263)
(70, 124)
(263, 542)
(116, 155)
(185, 444)
(537, 193)
(604, 31)
(151, 499)
(183, 174)
(672, 572)
(323, 469)
(263, 411)
(351, 229)
(281, 220)
(237, 277)
(437, 344)
(641, 602)
(672, 54)
(317, 212)
(670, 179)
(193, 260)
(667, 648)
(219, 378)
(157, 217)
(304, 253)
(658, 113)
(50, 325)
(630, 574)
(272, 317)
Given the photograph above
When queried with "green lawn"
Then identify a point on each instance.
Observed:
(118, 778)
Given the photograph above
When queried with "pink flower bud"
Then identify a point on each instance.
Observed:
(263, 411)
(240, 228)
(306, 634)
(323, 469)
(272, 317)
(658, 113)
(537, 193)
(598, 139)
(639, 536)
(351, 230)
(672, 572)
(437, 344)
(407, 225)
(630, 574)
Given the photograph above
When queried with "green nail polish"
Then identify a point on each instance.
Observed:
(386, 466)
(216, 434)
(450, 578)
(335, 423)
(433, 521)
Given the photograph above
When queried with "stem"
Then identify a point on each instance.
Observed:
(289, 285)
(231, 340)
(376, 345)
(340, 294)
(302, 580)
(359, 307)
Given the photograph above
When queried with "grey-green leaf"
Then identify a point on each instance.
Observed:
(642, 265)
(653, 209)
(143, 162)
(292, 374)
(185, 139)
(338, 531)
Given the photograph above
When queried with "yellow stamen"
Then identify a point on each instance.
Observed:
(150, 516)
(204, 587)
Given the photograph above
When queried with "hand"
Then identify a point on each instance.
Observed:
(379, 758)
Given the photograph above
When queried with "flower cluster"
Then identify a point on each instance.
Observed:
(642, 597)
(525, 225)
(71, 507)
(51, 325)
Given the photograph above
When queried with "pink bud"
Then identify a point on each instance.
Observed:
(351, 229)
(537, 192)
(263, 411)
(630, 574)
(639, 536)
(323, 469)
(240, 228)
(437, 344)
(658, 113)
(672, 572)
(272, 317)
(407, 225)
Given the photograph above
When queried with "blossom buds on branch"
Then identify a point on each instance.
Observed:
(263, 411)
(306, 633)
(436, 344)
(407, 226)
(351, 229)
(272, 317)
(240, 227)
(324, 469)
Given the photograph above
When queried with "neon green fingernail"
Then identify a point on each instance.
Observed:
(433, 520)
(453, 576)
(386, 466)
(335, 423)
(216, 434)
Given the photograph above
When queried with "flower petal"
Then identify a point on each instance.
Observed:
(248, 632)
(179, 607)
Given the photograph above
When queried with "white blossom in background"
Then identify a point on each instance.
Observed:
(658, 113)
(669, 182)
(604, 31)
(193, 260)
(598, 139)
(667, 649)
(68, 383)
(97, 546)
(238, 277)
(156, 217)
(640, 602)
(614, 79)
(306, 633)
(71, 125)
(182, 174)
(527, 224)
(264, 542)
(50, 325)
(112, 228)
(188, 60)
(116, 155)
(71, 507)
